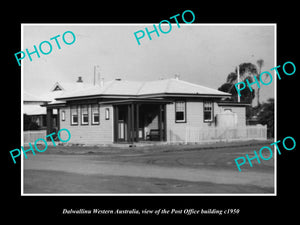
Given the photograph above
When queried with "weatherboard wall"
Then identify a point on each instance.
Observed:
(176, 131)
(89, 134)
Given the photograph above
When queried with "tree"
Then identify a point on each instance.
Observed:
(265, 115)
(246, 95)
(260, 63)
(247, 71)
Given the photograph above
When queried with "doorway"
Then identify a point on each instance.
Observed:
(139, 121)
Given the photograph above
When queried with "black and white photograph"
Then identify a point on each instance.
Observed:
(149, 112)
(108, 115)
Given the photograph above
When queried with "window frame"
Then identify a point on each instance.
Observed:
(63, 115)
(211, 111)
(92, 114)
(82, 114)
(184, 112)
(71, 115)
(107, 114)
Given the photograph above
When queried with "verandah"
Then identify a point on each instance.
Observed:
(138, 120)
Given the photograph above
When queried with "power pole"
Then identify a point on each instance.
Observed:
(238, 80)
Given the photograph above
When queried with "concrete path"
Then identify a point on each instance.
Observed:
(85, 165)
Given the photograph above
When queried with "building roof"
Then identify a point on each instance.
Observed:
(27, 97)
(62, 88)
(143, 89)
(32, 105)
(34, 110)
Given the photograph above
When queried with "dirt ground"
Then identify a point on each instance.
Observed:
(167, 169)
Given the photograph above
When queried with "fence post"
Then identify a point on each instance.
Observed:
(266, 132)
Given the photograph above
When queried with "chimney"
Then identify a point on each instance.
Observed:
(102, 82)
(79, 80)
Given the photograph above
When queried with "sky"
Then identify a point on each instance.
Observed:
(199, 53)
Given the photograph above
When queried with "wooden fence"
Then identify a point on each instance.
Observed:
(32, 135)
(197, 135)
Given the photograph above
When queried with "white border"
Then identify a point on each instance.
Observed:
(22, 117)
(275, 109)
(154, 194)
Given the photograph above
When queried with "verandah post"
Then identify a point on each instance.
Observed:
(159, 122)
(137, 122)
(129, 127)
(132, 122)
(49, 120)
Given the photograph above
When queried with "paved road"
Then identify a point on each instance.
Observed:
(121, 166)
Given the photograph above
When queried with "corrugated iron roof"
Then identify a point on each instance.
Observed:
(28, 97)
(34, 109)
(143, 88)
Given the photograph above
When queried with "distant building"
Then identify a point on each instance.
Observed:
(36, 115)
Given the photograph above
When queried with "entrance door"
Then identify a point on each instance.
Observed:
(121, 130)
(121, 123)
(131, 120)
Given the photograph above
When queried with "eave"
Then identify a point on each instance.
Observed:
(233, 104)
(155, 95)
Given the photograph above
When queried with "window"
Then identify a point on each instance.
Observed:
(107, 114)
(180, 110)
(84, 114)
(74, 115)
(208, 111)
(95, 114)
(63, 115)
